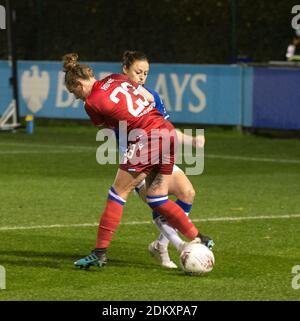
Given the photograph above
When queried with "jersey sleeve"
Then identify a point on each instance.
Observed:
(159, 105)
(96, 119)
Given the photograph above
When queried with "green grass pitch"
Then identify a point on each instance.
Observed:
(248, 201)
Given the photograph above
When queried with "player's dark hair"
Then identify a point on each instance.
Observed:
(129, 57)
(74, 71)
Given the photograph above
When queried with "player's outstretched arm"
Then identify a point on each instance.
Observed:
(195, 141)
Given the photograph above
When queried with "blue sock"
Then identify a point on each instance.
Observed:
(185, 206)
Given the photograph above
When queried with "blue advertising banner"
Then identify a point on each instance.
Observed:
(197, 94)
(43, 93)
(276, 98)
(205, 94)
(5, 88)
(192, 93)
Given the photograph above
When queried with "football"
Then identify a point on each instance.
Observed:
(197, 259)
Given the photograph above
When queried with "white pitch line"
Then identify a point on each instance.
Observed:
(16, 152)
(254, 159)
(208, 219)
(72, 147)
(83, 150)
(78, 148)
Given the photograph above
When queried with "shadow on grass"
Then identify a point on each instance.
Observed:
(36, 258)
(58, 260)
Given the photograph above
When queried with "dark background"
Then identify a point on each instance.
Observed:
(169, 31)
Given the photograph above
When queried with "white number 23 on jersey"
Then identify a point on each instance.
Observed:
(123, 89)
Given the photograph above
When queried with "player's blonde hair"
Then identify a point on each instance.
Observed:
(74, 71)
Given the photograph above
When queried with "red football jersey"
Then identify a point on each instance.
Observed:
(116, 98)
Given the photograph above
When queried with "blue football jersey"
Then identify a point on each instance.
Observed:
(159, 103)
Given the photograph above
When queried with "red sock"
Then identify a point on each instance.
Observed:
(175, 215)
(109, 222)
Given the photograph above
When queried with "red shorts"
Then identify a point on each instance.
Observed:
(154, 151)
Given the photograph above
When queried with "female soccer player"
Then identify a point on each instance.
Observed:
(107, 102)
(135, 65)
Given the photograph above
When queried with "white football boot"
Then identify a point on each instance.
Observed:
(160, 252)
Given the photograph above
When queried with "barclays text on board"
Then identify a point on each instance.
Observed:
(191, 93)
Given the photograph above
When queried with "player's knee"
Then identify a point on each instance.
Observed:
(187, 195)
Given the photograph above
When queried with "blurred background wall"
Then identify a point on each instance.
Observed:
(172, 31)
